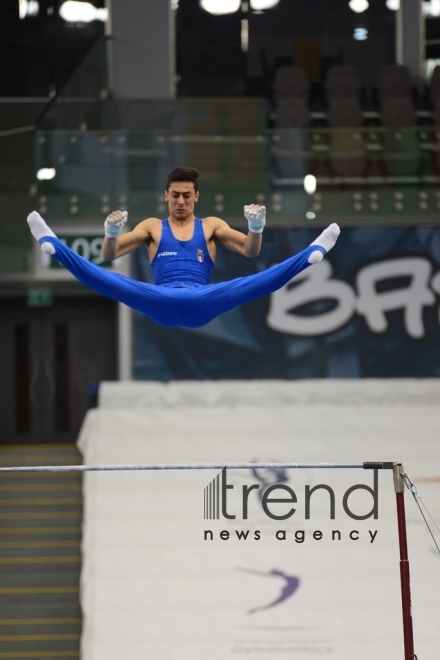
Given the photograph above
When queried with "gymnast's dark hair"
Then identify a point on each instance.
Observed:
(183, 174)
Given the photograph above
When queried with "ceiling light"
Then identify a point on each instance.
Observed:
(28, 8)
(260, 5)
(360, 34)
(393, 5)
(310, 184)
(431, 9)
(219, 7)
(358, 6)
(82, 12)
(244, 35)
(46, 174)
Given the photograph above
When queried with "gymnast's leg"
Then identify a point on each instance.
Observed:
(325, 240)
(155, 302)
(248, 288)
(39, 230)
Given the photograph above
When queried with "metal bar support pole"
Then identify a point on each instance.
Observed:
(408, 637)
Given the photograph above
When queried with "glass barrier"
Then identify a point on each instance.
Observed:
(17, 174)
(370, 172)
(81, 98)
(96, 172)
(363, 175)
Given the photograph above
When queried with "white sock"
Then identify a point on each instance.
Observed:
(326, 240)
(39, 229)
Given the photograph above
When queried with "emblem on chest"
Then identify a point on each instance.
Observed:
(200, 256)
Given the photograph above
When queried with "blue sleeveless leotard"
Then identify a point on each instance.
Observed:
(181, 302)
(182, 263)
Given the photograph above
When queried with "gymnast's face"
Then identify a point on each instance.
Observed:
(181, 197)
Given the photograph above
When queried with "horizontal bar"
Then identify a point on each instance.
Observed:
(379, 465)
(181, 466)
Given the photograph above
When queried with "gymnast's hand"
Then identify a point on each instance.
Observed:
(256, 217)
(114, 223)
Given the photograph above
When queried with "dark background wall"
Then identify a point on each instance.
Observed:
(39, 53)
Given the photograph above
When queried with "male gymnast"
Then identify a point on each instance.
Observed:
(182, 251)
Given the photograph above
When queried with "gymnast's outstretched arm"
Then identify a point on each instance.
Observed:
(249, 245)
(116, 243)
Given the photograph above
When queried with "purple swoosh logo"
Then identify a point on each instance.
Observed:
(288, 587)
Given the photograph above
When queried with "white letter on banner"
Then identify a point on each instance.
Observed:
(435, 284)
(412, 298)
(315, 286)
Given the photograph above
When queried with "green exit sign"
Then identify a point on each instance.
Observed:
(88, 247)
(39, 298)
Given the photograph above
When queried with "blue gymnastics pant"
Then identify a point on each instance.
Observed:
(189, 307)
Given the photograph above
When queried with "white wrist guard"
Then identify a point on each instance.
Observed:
(256, 217)
(113, 228)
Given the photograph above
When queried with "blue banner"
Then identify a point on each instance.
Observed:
(370, 309)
